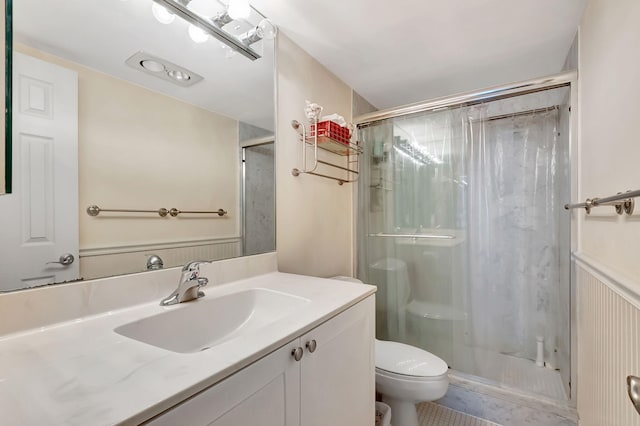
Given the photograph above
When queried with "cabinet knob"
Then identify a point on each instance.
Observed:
(312, 345)
(297, 353)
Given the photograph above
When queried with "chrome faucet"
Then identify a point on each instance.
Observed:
(189, 285)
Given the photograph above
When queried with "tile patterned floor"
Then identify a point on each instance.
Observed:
(512, 372)
(430, 414)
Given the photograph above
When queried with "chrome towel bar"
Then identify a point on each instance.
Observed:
(175, 212)
(428, 236)
(95, 211)
(622, 201)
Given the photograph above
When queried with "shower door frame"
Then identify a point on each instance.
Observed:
(564, 79)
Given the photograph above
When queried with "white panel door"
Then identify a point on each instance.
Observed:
(39, 220)
(337, 383)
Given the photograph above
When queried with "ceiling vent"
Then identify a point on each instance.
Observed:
(163, 69)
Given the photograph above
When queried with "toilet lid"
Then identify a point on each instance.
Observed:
(408, 360)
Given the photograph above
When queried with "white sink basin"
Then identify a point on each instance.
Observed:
(201, 324)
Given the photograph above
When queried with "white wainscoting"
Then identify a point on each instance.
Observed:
(608, 344)
(107, 261)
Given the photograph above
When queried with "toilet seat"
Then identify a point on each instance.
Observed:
(398, 359)
(390, 375)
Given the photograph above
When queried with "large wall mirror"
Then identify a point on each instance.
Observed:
(122, 111)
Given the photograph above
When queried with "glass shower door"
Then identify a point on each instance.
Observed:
(461, 227)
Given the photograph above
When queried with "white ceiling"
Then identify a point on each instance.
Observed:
(102, 34)
(391, 53)
(397, 52)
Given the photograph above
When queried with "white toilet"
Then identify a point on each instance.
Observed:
(405, 376)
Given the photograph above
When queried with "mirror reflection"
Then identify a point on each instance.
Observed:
(124, 106)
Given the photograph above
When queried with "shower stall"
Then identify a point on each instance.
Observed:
(463, 231)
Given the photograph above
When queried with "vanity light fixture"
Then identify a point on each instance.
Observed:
(213, 26)
(161, 68)
(222, 19)
(265, 29)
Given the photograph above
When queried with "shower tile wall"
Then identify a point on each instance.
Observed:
(259, 199)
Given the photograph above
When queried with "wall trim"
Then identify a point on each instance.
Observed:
(134, 248)
(626, 287)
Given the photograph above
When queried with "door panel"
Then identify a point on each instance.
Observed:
(40, 218)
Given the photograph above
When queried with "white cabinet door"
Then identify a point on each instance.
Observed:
(265, 393)
(338, 377)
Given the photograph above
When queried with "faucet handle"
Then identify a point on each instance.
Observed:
(191, 270)
(193, 266)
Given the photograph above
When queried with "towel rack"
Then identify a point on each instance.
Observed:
(175, 212)
(622, 201)
(94, 210)
(417, 236)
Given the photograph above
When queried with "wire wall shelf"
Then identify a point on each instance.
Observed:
(330, 139)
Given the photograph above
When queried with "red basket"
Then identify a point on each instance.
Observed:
(332, 130)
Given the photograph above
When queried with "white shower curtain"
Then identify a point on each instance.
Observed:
(516, 187)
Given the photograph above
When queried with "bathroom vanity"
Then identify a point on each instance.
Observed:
(271, 349)
(320, 378)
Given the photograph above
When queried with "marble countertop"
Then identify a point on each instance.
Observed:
(81, 372)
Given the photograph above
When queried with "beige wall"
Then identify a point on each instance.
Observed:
(140, 149)
(609, 143)
(314, 215)
(609, 66)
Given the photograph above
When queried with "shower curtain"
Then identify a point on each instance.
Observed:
(496, 186)
(516, 189)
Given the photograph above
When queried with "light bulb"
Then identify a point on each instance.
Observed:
(162, 14)
(239, 9)
(197, 34)
(267, 30)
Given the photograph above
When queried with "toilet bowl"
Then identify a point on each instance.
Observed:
(405, 376)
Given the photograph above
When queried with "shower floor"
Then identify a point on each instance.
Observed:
(512, 372)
